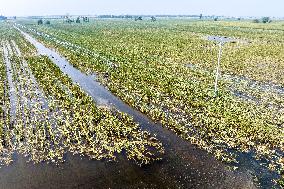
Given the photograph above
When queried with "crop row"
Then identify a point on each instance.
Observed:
(240, 86)
(146, 73)
(4, 97)
(54, 116)
(258, 54)
(101, 132)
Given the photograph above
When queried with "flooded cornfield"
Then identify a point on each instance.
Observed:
(98, 106)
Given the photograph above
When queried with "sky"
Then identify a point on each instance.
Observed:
(272, 8)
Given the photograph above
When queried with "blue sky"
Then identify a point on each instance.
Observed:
(207, 7)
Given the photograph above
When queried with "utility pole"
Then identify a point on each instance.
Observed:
(218, 68)
(221, 41)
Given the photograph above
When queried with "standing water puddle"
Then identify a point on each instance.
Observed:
(183, 164)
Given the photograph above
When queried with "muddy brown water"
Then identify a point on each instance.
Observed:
(183, 165)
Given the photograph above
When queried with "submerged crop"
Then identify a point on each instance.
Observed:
(53, 116)
(146, 65)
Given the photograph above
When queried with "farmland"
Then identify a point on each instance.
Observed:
(165, 70)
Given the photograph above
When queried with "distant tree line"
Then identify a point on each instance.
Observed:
(78, 19)
(40, 22)
(136, 16)
(262, 20)
(3, 17)
(116, 16)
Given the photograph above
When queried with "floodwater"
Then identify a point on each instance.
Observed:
(12, 94)
(183, 165)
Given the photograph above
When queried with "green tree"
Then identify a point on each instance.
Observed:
(153, 18)
(138, 18)
(266, 20)
(78, 20)
(40, 22)
(255, 21)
